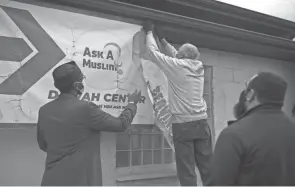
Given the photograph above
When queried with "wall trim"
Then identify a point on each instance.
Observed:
(238, 17)
(145, 172)
(201, 33)
(18, 125)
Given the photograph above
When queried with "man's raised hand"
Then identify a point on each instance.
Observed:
(148, 26)
(157, 33)
(135, 97)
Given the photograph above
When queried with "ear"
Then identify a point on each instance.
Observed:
(75, 84)
(250, 95)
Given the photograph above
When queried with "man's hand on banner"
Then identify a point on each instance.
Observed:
(157, 33)
(135, 97)
(148, 26)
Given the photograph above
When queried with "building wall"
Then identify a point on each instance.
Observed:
(22, 163)
(230, 73)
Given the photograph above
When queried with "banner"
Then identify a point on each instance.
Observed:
(157, 86)
(35, 40)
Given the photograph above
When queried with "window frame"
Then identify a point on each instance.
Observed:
(162, 147)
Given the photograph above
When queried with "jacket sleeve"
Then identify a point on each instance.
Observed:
(102, 121)
(167, 64)
(226, 160)
(40, 136)
(169, 49)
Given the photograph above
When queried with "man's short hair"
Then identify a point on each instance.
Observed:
(65, 75)
(191, 51)
(269, 87)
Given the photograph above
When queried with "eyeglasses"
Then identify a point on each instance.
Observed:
(248, 82)
(83, 78)
(246, 85)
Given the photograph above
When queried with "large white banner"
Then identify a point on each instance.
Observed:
(34, 40)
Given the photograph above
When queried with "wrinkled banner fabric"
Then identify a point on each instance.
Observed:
(157, 86)
(35, 40)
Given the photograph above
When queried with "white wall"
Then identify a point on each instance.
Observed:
(232, 71)
(22, 163)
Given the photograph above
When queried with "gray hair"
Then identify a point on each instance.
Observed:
(191, 51)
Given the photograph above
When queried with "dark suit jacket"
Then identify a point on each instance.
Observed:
(257, 149)
(69, 132)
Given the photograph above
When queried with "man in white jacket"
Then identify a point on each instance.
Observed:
(191, 132)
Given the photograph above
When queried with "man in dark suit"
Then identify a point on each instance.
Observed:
(258, 148)
(69, 131)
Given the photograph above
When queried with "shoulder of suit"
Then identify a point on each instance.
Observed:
(240, 126)
(232, 131)
(45, 106)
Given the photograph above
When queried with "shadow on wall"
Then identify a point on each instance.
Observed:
(21, 161)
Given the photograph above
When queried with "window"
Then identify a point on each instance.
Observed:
(145, 145)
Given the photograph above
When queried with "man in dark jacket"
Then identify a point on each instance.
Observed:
(258, 148)
(69, 131)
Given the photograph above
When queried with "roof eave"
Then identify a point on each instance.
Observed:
(202, 33)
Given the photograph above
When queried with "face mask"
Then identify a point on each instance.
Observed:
(79, 87)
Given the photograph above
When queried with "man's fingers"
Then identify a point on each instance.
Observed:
(132, 94)
(135, 92)
(136, 95)
(150, 23)
(139, 93)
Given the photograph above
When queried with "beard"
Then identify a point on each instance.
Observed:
(240, 108)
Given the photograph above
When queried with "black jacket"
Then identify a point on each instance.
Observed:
(258, 149)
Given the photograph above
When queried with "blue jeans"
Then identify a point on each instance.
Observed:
(193, 147)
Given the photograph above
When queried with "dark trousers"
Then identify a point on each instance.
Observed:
(193, 147)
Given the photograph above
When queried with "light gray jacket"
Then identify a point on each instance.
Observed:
(186, 82)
